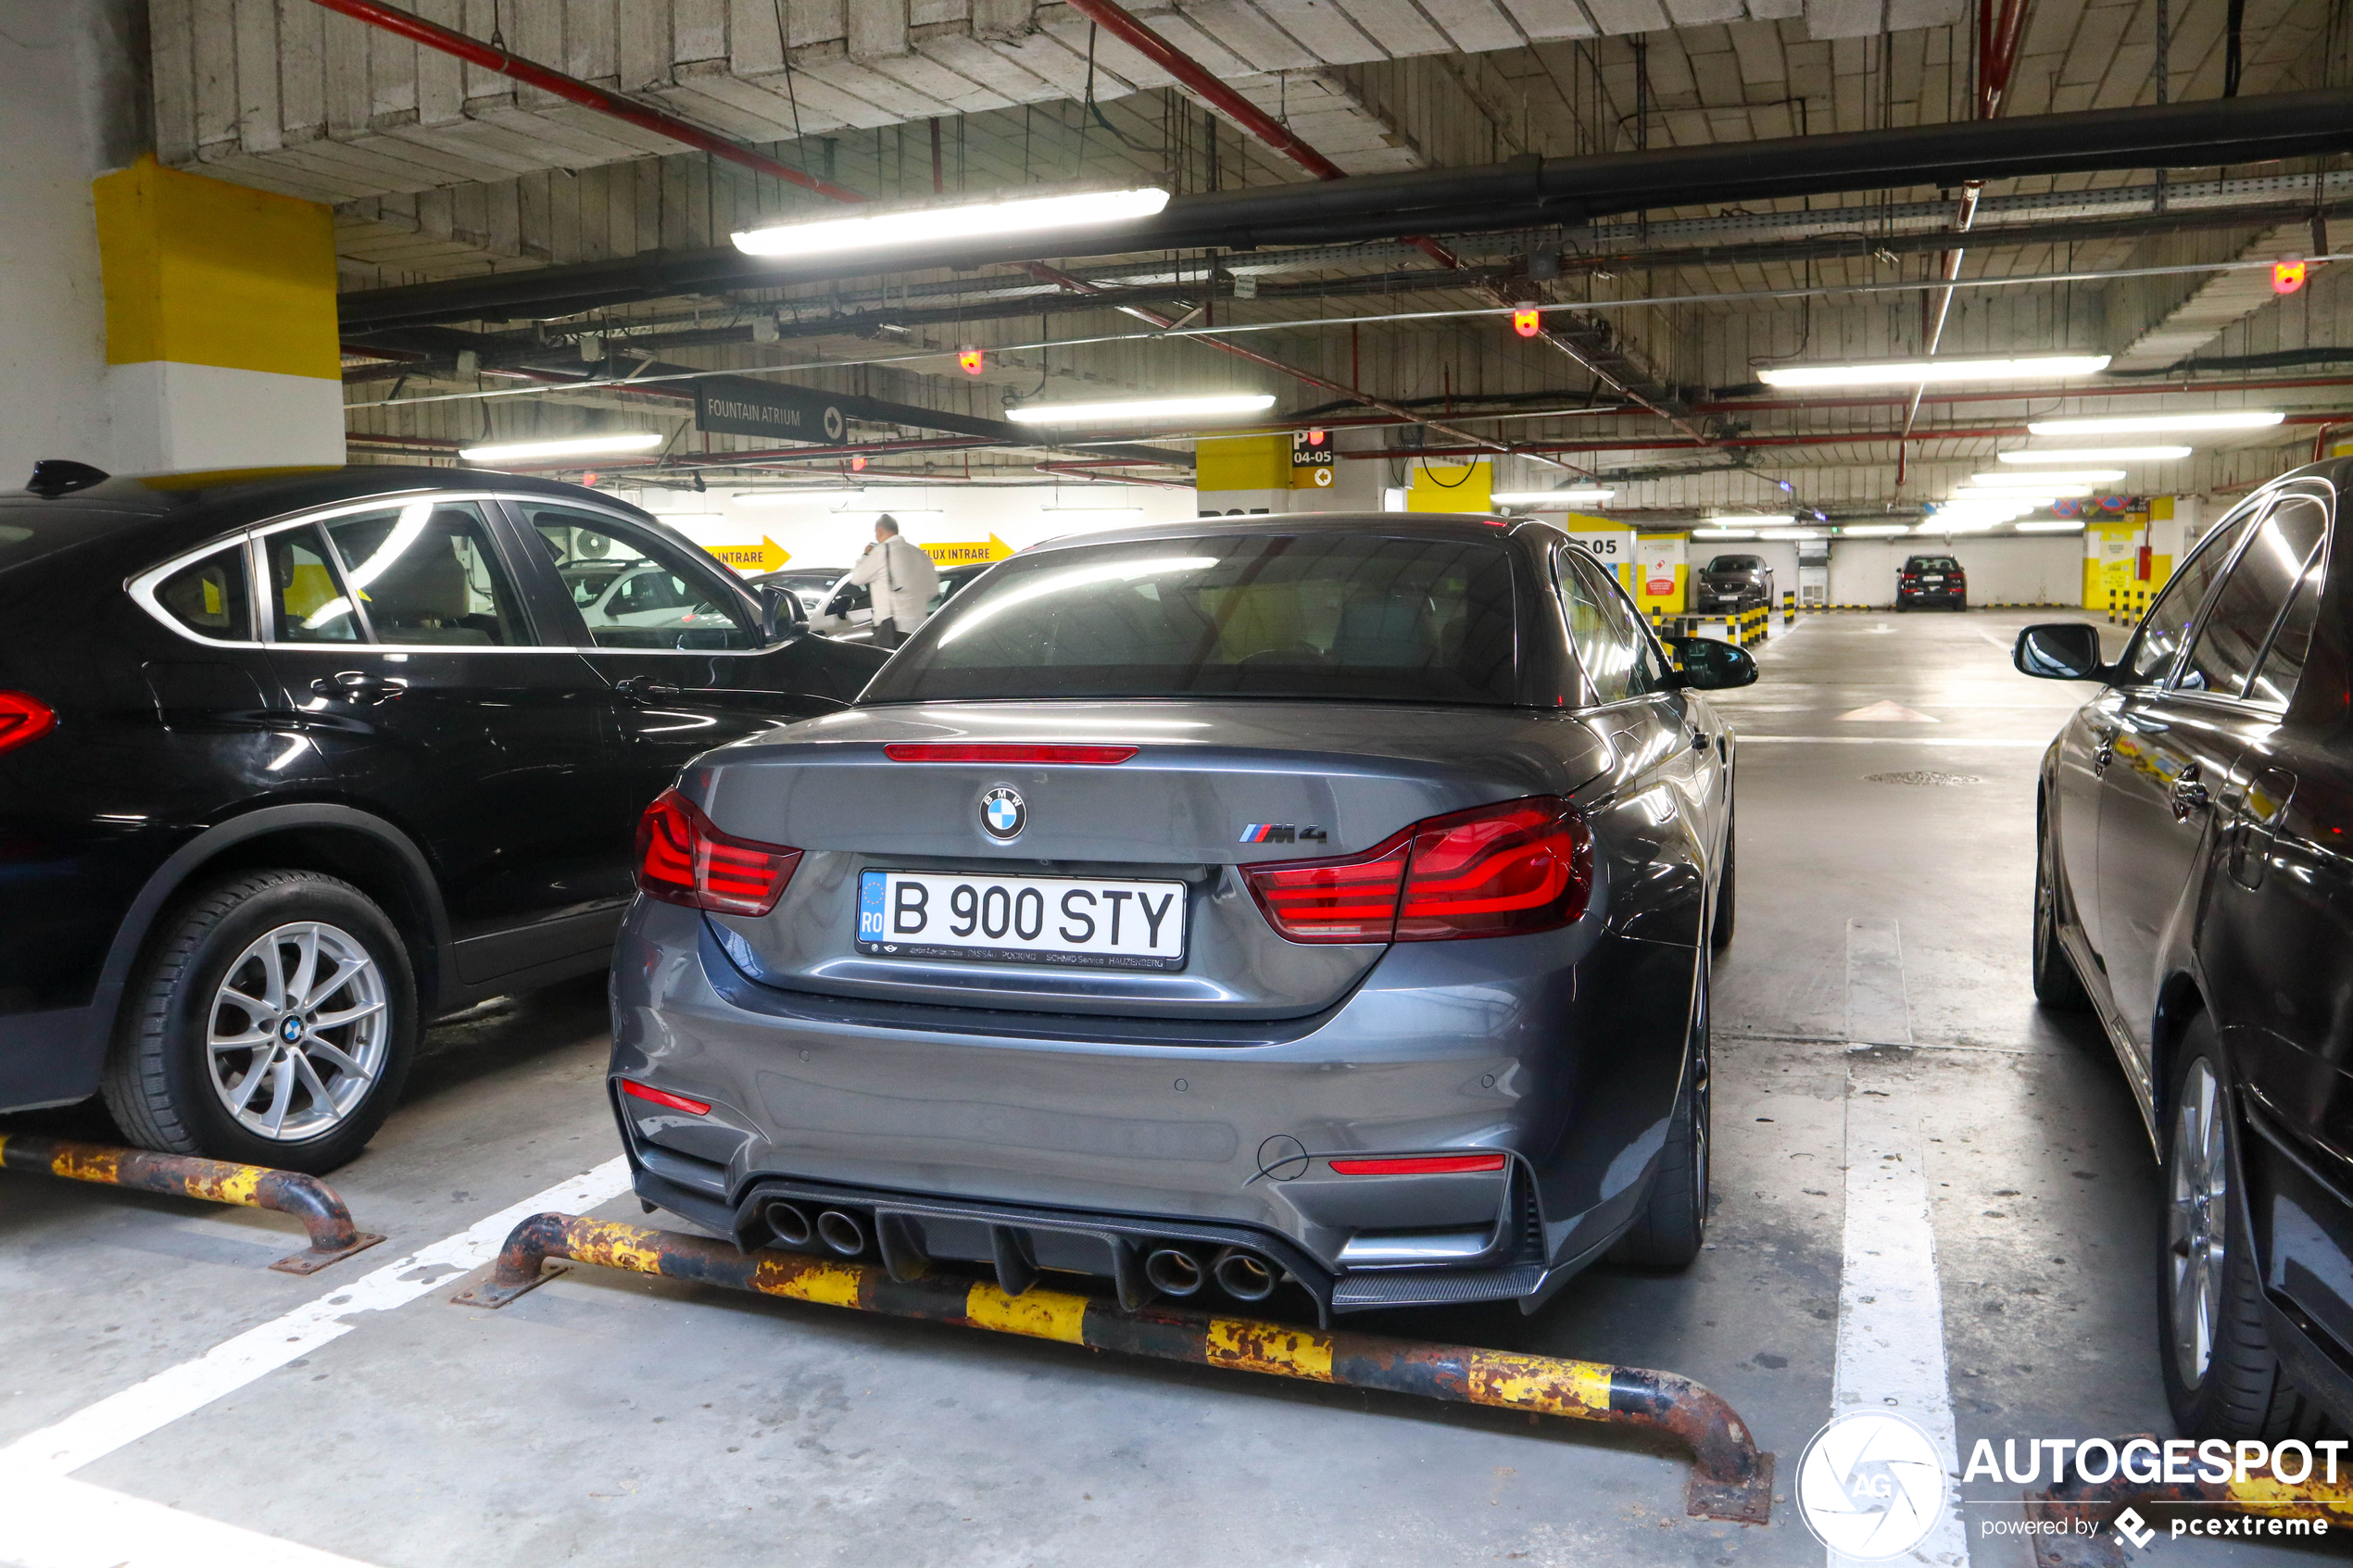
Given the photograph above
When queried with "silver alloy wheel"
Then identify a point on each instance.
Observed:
(2198, 1203)
(297, 1033)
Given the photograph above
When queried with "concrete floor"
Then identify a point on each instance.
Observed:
(609, 1419)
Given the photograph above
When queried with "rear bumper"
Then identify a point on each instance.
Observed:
(1434, 1052)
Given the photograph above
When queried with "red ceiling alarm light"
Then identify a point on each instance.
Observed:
(857, 465)
(968, 360)
(2288, 274)
(1523, 319)
(1314, 438)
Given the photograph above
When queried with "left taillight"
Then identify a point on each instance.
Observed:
(1506, 869)
(23, 718)
(682, 859)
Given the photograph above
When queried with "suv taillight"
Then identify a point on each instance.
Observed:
(22, 719)
(1493, 871)
(683, 859)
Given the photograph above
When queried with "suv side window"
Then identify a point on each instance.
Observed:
(308, 602)
(425, 573)
(2169, 621)
(2276, 679)
(661, 601)
(209, 596)
(2230, 643)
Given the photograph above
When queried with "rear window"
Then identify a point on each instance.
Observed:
(1318, 616)
(1736, 564)
(1931, 563)
(32, 529)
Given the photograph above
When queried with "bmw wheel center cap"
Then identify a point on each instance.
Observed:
(1003, 813)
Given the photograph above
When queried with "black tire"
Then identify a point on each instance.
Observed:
(1720, 929)
(2242, 1391)
(2056, 985)
(161, 1082)
(1669, 1232)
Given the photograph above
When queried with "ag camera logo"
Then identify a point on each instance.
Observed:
(1871, 1486)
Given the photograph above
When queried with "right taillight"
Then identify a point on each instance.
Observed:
(1494, 870)
(22, 719)
(682, 859)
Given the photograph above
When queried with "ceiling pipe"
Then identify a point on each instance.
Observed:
(476, 52)
(473, 51)
(1663, 444)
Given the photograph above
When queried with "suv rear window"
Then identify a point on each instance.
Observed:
(1736, 564)
(1318, 616)
(1931, 563)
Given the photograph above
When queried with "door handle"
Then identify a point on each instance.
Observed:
(358, 686)
(644, 687)
(1699, 740)
(2189, 794)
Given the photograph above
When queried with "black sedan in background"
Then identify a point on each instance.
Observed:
(1932, 580)
(2193, 889)
(289, 767)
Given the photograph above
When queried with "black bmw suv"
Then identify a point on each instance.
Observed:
(2194, 891)
(289, 767)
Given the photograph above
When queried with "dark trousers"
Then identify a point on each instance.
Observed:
(888, 634)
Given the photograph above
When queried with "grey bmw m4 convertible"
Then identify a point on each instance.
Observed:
(1320, 903)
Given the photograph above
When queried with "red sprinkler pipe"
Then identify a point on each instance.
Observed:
(530, 73)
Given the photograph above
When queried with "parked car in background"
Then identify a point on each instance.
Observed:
(2193, 892)
(1932, 580)
(847, 613)
(1322, 899)
(809, 585)
(289, 767)
(1733, 582)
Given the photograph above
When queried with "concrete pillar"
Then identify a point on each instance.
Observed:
(220, 324)
(71, 96)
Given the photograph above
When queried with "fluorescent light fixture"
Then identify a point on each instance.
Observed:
(1750, 522)
(1917, 373)
(2052, 525)
(2025, 500)
(1141, 408)
(2125, 424)
(765, 498)
(1723, 533)
(926, 225)
(2100, 455)
(1959, 524)
(1572, 496)
(2044, 476)
(632, 441)
(1872, 530)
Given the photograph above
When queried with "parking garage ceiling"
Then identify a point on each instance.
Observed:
(447, 175)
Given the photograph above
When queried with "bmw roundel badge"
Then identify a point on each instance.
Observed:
(1003, 813)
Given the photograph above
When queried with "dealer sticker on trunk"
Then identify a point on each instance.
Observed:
(1084, 922)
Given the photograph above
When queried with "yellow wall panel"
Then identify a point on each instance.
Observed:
(1242, 462)
(1462, 487)
(199, 271)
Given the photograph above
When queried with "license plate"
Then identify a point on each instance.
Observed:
(1932, 580)
(1046, 919)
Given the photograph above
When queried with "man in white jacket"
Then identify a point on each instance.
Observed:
(903, 579)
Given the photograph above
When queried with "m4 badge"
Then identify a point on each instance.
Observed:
(1282, 832)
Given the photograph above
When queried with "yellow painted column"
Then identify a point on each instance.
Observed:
(220, 324)
(1242, 474)
(1661, 573)
(1458, 487)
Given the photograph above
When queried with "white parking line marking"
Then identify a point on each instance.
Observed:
(57, 1523)
(1879, 1011)
(123, 1418)
(1891, 1307)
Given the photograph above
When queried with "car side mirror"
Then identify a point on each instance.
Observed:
(1711, 666)
(2059, 650)
(781, 616)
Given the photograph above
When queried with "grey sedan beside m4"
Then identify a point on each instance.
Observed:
(1311, 904)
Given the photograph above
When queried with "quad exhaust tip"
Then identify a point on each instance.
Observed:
(1245, 1276)
(1172, 1271)
(789, 1223)
(841, 1232)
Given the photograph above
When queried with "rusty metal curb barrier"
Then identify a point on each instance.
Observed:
(307, 1198)
(1731, 1479)
(2072, 1506)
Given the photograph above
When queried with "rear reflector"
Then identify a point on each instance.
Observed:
(683, 859)
(1094, 755)
(663, 1097)
(22, 719)
(1494, 870)
(1420, 1165)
